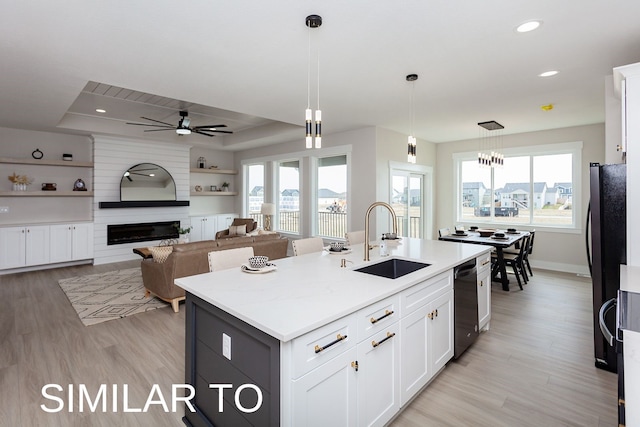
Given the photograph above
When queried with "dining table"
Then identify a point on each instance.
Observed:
(499, 243)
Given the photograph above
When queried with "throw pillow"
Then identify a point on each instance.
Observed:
(160, 253)
(238, 230)
(266, 232)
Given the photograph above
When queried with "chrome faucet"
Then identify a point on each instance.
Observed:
(366, 225)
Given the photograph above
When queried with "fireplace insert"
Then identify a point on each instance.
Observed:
(118, 234)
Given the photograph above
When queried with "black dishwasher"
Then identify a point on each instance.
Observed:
(465, 306)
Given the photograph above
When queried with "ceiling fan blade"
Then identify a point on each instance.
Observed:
(158, 121)
(150, 125)
(219, 131)
(202, 133)
(209, 127)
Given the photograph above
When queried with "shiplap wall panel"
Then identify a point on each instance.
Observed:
(112, 157)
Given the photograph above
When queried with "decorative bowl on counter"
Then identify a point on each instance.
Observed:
(258, 261)
(486, 232)
(336, 246)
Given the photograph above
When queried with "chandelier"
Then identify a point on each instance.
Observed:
(313, 21)
(490, 144)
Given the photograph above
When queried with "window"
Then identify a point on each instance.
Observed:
(255, 191)
(289, 196)
(331, 198)
(406, 201)
(530, 189)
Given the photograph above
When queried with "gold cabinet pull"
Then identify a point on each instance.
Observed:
(387, 313)
(436, 312)
(339, 338)
(430, 315)
(389, 335)
(354, 365)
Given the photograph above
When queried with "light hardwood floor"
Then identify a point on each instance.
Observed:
(533, 368)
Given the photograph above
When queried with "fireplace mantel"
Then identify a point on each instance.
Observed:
(143, 204)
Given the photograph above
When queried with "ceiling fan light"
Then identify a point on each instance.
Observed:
(182, 131)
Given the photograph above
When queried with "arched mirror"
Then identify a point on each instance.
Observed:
(147, 181)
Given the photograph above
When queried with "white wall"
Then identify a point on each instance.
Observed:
(18, 143)
(112, 157)
(563, 251)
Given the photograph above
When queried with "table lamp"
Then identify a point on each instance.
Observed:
(267, 210)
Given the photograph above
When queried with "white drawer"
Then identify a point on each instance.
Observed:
(483, 262)
(378, 316)
(323, 344)
(416, 296)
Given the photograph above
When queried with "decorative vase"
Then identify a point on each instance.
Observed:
(184, 238)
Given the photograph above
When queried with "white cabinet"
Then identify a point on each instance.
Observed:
(223, 221)
(426, 329)
(203, 228)
(341, 383)
(401, 343)
(378, 359)
(24, 246)
(326, 396)
(71, 242)
(483, 265)
(427, 343)
(324, 375)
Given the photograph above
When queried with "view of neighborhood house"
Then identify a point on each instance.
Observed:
(526, 190)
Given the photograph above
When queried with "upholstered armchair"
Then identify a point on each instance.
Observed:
(231, 232)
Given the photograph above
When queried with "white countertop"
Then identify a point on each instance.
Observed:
(308, 291)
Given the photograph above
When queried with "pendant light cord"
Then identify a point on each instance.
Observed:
(309, 68)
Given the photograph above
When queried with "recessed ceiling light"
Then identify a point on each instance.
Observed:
(548, 73)
(528, 26)
(100, 110)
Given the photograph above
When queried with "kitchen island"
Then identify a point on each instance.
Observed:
(323, 344)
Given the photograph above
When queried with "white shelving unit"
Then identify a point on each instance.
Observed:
(36, 162)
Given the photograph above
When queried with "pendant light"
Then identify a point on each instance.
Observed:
(411, 140)
(490, 144)
(313, 21)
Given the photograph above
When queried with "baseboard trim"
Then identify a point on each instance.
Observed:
(44, 266)
(582, 270)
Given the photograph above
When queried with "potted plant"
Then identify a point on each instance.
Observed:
(225, 186)
(183, 233)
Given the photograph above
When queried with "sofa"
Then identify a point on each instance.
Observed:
(187, 259)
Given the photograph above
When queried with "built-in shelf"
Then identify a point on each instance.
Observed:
(46, 193)
(46, 162)
(218, 171)
(214, 193)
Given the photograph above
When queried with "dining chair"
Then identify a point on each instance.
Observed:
(444, 232)
(525, 259)
(229, 258)
(515, 261)
(354, 237)
(307, 246)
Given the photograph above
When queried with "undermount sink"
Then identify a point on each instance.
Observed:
(392, 268)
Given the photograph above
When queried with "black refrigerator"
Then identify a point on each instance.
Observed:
(609, 249)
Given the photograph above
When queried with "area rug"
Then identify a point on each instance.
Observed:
(107, 296)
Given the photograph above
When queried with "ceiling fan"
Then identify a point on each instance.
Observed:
(183, 127)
